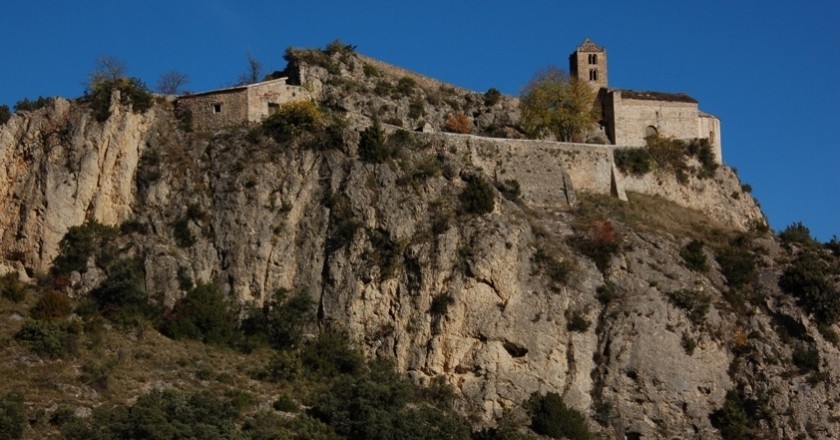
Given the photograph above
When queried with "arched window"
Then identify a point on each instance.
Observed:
(593, 58)
(593, 75)
(651, 131)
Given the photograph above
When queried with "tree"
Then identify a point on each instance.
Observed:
(252, 75)
(552, 103)
(170, 83)
(5, 114)
(107, 69)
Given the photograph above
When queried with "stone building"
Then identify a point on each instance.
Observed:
(628, 116)
(241, 104)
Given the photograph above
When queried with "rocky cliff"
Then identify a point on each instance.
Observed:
(569, 291)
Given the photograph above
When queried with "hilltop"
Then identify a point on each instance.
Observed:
(472, 259)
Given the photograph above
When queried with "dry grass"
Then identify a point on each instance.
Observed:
(652, 214)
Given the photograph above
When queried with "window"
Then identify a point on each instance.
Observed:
(593, 58)
(217, 107)
(273, 107)
(593, 75)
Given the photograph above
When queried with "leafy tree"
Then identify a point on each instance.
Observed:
(550, 416)
(693, 256)
(293, 119)
(731, 419)
(808, 278)
(122, 295)
(797, 233)
(171, 82)
(478, 196)
(281, 319)
(372, 145)
(554, 104)
(28, 105)
(204, 314)
(5, 114)
(91, 239)
(737, 264)
(12, 417)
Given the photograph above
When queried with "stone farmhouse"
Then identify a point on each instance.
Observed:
(628, 116)
(235, 105)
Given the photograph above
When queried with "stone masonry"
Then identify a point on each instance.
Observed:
(242, 104)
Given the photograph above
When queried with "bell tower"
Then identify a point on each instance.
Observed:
(589, 64)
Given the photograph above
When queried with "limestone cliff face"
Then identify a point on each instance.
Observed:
(500, 304)
(58, 167)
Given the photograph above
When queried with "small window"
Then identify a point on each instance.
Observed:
(273, 108)
(593, 75)
(217, 107)
(593, 58)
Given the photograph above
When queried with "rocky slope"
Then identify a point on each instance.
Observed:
(500, 304)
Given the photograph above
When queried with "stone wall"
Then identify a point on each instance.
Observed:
(238, 105)
(629, 119)
(218, 109)
(709, 126)
(263, 96)
(423, 81)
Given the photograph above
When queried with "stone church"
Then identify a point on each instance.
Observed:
(628, 116)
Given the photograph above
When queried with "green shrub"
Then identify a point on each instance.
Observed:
(132, 91)
(182, 233)
(381, 404)
(696, 304)
(372, 145)
(159, 415)
(606, 293)
(384, 253)
(268, 425)
(510, 189)
(91, 239)
(689, 344)
(634, 161)
(492, 97)
(331, 355)
(49, 338)
(339, 47)
(51, 306)
(284, 366)
(416, 109)
(205, 315)
(548, 262)
(731, 419)
(286, 404)
(833, 245)
(797, 233)
(25, 105)
(293, 119)
(406, 86)
(807, 358)
(478, 196)
(694, 257)
(12, 417)
(96, 374)
(5, 114)
(702, 150)
(440, 304)
(737, 264)
(12, 288)
(577, 322)
(550, 416)
(370, 70)
(281, 319)
(808, 279)
(122, 296)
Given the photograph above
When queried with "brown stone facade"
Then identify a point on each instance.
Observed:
(629, 116)
(239, 105)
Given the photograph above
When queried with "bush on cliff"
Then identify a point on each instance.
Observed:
(293, 119)
(5, 114)
(132, 92)
(550, 416)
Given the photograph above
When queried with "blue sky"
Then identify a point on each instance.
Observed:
(769, 70)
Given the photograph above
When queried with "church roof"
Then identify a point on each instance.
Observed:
(655, 96)
(589, 46)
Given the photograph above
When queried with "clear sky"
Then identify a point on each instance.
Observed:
(770, 70)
